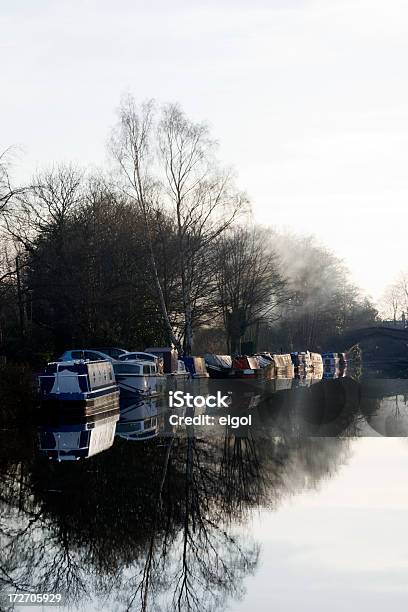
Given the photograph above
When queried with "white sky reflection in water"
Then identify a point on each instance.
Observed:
(341, 547)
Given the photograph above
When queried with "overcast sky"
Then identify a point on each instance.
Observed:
(308, 98)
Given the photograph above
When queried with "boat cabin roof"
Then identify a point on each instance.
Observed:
(138, 356)
(143, 367)
(161, 349)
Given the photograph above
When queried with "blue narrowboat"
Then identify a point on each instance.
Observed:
(88, 387)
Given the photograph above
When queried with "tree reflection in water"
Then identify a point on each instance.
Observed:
(162, 524)
(150, 526)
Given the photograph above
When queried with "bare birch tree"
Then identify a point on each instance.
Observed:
(132, 147)
(169, 165)
(203, 198)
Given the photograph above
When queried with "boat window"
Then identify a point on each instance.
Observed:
(146, 369)
(122, 368)
(112, 352)
(129, 427)
(77, 354)
(93, 356)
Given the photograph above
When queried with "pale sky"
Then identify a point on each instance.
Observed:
(308, 99)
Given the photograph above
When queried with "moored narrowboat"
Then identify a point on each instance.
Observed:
(196, 367)
(251, 367)
(302, 362)
(173, 367)
(218, 366)
(181, 373)
(331, 360)
(316, 362)
(245, 367)
(139, 378)
(284, 367)
(264, 359)
(87, 387)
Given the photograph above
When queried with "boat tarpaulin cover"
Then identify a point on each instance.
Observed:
(221, 361)
(282, 361)
(263, 361)
(245, 363)
(316, 359)
(195, 365)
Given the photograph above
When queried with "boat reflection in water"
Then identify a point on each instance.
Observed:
(205, 521)
(334, 372)
(141, 420)
(307, 380)
(79, 439)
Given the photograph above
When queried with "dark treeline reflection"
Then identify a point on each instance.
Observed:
(155, 525)
(163, 524)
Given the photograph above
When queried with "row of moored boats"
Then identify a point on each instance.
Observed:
(94, 379)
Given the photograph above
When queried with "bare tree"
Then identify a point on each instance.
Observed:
(394, 300)
(9, 263)
(131, 146)
(44, 207)
(391, 302)
(7, 191)
(250, 288)
(169, 165)
(42, 212)
(402, 286)
(202, 196)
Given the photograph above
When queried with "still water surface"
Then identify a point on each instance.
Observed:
(305, 510)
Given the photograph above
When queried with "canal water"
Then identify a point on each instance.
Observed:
(303, 509)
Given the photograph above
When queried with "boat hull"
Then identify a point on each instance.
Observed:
(266, 373)
(85, 406)
(178, 376)
(218, 372)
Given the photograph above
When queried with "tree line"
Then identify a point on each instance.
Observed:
(161, 248)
